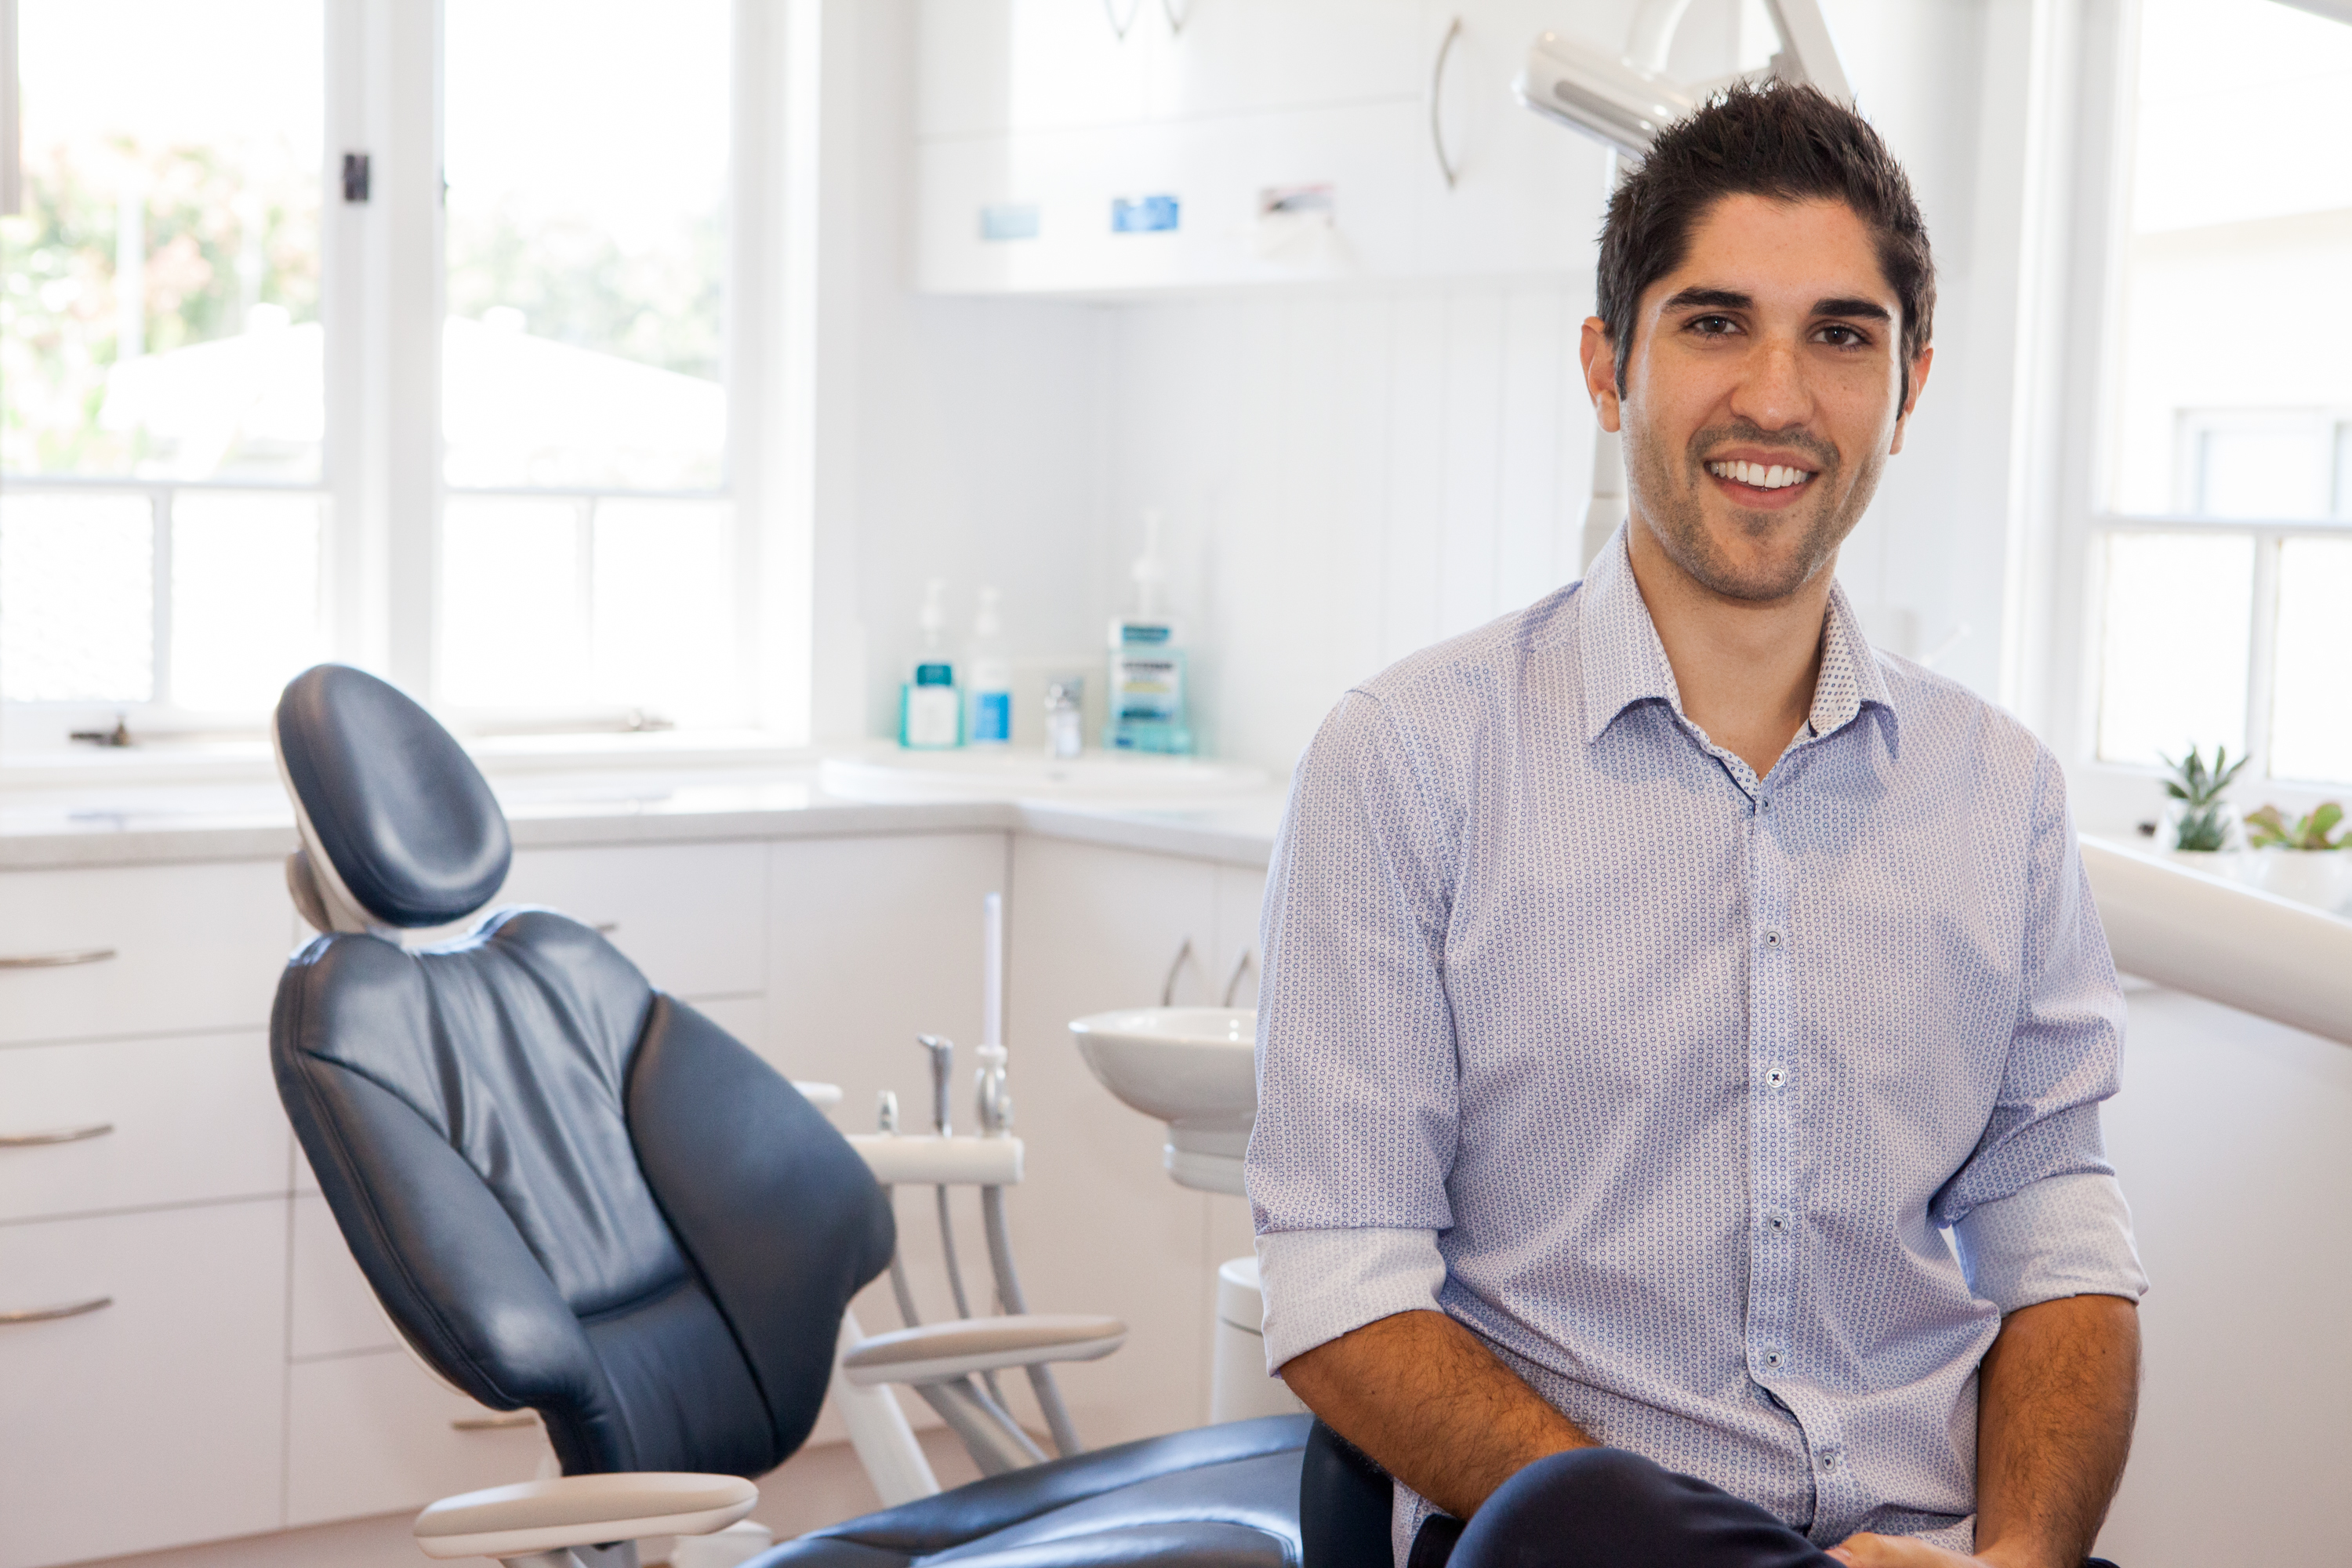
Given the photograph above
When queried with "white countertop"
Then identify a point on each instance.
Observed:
(95, 823)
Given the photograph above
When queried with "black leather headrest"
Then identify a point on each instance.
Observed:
(393, 799)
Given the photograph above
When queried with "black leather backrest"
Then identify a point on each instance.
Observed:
(407, 819)
(468, 1111)
(779, 1215)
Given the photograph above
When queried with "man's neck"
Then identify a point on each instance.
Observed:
(1745, 669)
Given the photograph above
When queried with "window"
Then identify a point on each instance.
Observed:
(160, 393)
(2224, 547)
(194, 447)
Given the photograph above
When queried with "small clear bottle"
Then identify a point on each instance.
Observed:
(989, 679)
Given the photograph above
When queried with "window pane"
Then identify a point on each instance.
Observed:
(2173, 654)
(666, 609)
(587, 165)
(2311, 722)
(244, 597)
(77, 598)
(513, 633)
(2214, 234)
(158, 293)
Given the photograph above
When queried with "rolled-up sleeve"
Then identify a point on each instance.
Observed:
(1357, 1077)
(2036, 1212)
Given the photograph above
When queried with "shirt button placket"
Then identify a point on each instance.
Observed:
(1771, 1038)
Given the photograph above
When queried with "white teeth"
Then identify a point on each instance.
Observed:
(1776, 476)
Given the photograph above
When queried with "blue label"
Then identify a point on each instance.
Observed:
(1145, 214)
(992, 717)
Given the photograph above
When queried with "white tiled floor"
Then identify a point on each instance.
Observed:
(817, 1486)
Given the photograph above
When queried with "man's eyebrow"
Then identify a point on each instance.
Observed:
(1860, 310)
(1716, 298)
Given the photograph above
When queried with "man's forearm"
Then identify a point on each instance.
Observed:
(2055, 1401)
(1425, 1397)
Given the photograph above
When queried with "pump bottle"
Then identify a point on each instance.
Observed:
(930, 704)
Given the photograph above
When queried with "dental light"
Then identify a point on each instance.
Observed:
(1622, 100)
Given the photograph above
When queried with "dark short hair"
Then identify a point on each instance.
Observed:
(1777, 140)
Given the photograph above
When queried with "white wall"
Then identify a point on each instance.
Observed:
(1349, 475)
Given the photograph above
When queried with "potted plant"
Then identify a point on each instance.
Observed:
(2302, 858)
(2198, 821)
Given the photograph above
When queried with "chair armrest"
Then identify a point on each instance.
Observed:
(925, 1159)
(580, 1510)
(937, 1353)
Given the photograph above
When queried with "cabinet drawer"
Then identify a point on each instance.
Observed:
(692, 916)
(334, 1310)
(155, 1420)
(192, 948)
(372, 1434)
(189, 1118)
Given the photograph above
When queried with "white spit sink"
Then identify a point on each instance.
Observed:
(1193, 1068)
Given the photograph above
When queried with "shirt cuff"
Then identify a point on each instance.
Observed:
(2062, 1236)
(1319, 1284)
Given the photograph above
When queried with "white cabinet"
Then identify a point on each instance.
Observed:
(189, 948)
(187, 1119)
(373, 1433)
(157, 1419)
(1098, 1224)
(691, 916)
(1034, 121)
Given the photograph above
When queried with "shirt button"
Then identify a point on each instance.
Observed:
(1776, 1222)
(1772, 937)
(1829, 1460)
(1775, 1077)
(1771, 1358)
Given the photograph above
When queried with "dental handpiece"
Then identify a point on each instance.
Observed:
(942, 1051)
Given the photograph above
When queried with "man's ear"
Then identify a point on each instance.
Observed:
(1918, 384)
(1599, 357)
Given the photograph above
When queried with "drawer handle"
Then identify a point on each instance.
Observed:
(495, 1423)
(55, 1135)
(57, 960)
(49, 1314)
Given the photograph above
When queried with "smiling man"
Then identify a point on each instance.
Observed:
(1684, 1026)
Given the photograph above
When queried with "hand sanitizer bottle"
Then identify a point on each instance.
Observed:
(930, 705)
(1147, 665)
(990, 678)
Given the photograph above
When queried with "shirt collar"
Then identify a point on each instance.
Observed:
(1624, 663)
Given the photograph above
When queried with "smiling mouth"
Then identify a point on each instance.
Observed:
(1761, 475)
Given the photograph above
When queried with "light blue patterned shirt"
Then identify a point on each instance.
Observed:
(1672, 1082)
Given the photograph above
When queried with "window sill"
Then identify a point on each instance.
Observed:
(248, 762)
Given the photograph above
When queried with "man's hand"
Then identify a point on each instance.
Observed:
(1426, 1399)
(2056, 1400)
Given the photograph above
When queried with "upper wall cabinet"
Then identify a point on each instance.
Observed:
(1262, 142)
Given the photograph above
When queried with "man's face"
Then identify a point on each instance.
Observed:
(1763, 394)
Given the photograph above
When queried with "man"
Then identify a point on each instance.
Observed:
(1656, 975)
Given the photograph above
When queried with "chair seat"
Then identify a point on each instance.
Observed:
(1217, 1496)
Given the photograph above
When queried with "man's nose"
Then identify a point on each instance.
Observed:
(1773, 394)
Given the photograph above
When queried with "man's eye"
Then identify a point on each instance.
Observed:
(1841, 337)
(1715, 326)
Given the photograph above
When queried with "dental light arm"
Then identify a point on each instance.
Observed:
(1622, 100)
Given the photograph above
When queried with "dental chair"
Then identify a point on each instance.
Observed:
(575, 1193)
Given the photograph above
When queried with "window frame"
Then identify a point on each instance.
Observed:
(381, 483)
(2109, 791)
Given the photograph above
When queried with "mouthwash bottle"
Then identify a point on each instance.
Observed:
(930, 704)
(1146, 699)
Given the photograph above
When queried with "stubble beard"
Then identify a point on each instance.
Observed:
(1669, 496)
